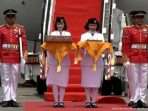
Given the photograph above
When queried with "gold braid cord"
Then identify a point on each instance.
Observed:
(95, 49)
(59, 50)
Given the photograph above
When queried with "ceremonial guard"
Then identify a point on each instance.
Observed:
(10, 56)
(58, 80)
(135, 52)
(90, 79)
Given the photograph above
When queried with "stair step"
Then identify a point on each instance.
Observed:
(71, 75)
(75, 71)
(70, 96)
(71, 88)
(75, 81)
(75, 65)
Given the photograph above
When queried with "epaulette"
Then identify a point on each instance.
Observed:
(2, 25)
(146, 26)
(129, 26)
(20, 26)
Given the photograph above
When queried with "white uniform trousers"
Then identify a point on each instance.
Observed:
(137, 78)
(9, 79)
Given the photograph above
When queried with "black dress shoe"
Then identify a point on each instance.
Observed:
(131, 103)
(93, 105)
(135, 105)
(88, 105)
(142, 104)
(1, 102)
(61, 104)
(5, 104)
(13, 103)
(55, 104)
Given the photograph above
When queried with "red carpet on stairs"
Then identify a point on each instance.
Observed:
(76, 13)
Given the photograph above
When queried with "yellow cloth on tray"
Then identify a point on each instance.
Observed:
(59, 50)
(95, 49)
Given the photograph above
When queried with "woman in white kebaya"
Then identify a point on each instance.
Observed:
(91, 80)
(58, 80)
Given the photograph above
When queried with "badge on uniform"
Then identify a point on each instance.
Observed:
(15, 31)
(145, 31)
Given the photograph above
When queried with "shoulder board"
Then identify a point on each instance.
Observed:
(2, 26)
(146, 26)
(129, 26)
(18, 25)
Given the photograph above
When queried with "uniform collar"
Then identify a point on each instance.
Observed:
(92, 32)
(140, 26)
(11, 26)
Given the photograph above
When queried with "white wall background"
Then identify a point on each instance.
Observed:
(29, 15)
(128, 5)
